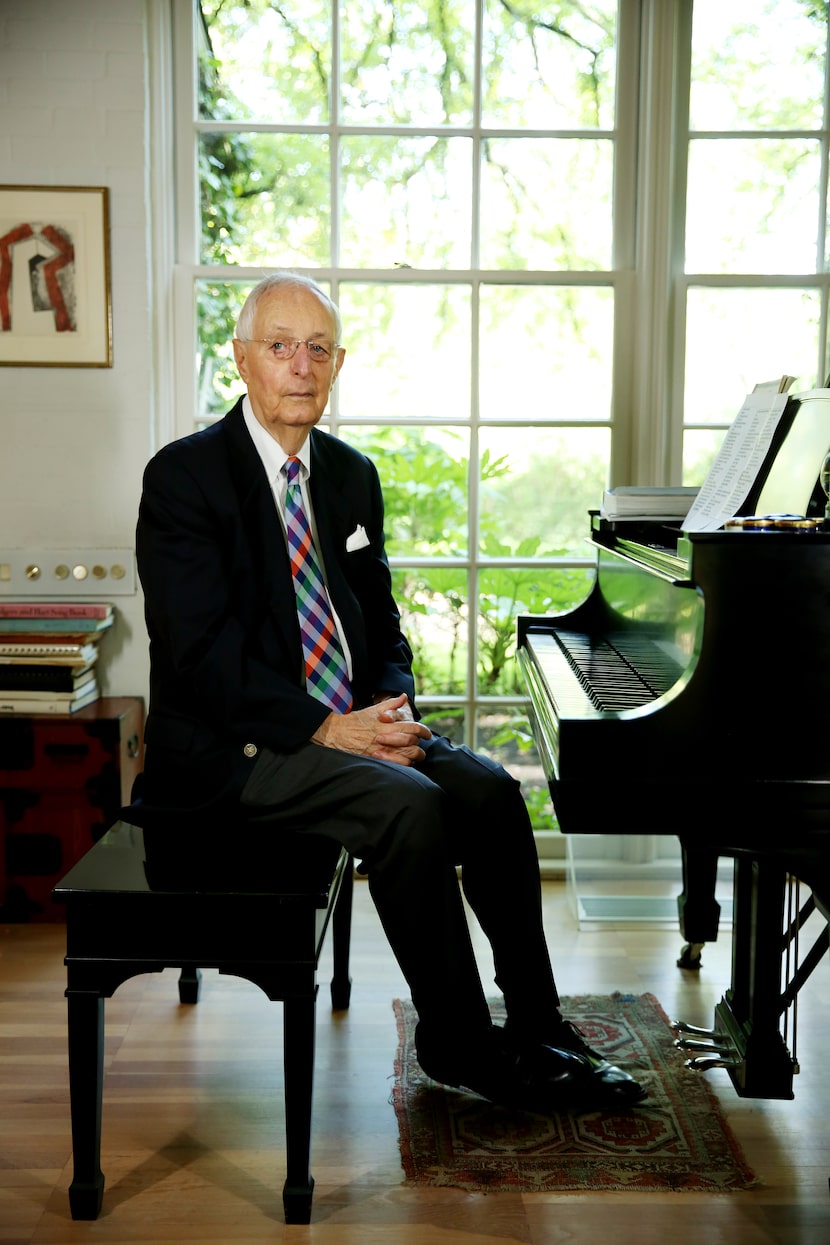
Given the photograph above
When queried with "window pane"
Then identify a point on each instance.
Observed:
(737, 338)
(423, 472)
(546, 352)
(537, 486)
(546, 203)
(408, 352)
(218, 304)
(506, 736)
(433, 605)
(406, 202)
(259, 61)
(452, 723)
(700, 447)
(505, 592)
(757, 64)
(403, 64)
(551, 69)
(266, 199)
(752, 205)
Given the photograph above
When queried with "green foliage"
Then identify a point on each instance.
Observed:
(506, 592)
(265, 198)
(425, 489)
(426, 512)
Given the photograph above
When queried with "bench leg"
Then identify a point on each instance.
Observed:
(86, 1086)
(341, 928)
(298, 1063)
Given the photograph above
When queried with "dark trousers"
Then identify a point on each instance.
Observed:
(409, 827)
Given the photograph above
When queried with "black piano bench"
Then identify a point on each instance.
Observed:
(244, 904)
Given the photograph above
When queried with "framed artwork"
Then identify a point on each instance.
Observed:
(55, 296)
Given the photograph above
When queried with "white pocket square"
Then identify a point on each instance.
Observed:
(357, 540)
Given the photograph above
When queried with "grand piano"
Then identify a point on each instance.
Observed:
(689, 695)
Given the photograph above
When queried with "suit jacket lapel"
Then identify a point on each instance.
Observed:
(256, 502)
(262, 527)
(330, 500)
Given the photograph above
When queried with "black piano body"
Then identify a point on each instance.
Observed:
(688, 696)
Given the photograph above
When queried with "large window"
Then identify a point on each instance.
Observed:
(495, 194)
(753, 292)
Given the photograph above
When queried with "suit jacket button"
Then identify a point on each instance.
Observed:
(250, 750)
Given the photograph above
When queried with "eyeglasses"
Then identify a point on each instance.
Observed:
(287, 347)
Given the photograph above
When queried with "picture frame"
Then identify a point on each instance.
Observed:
(55, 294)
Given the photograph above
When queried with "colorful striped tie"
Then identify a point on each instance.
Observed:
(325, 666)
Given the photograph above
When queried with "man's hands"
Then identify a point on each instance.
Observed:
(386, 731)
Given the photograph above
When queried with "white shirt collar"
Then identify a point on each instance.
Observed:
(270, 451)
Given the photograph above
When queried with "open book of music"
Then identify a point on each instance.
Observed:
(769, 462)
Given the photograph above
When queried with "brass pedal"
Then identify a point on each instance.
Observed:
(723, 1047)
(680, 1026)
(703, 1063)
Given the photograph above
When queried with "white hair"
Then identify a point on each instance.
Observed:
(284, 278)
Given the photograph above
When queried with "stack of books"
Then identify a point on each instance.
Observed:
(642, 502)
(48, 651)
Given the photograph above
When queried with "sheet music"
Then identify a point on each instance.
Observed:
(738, 462)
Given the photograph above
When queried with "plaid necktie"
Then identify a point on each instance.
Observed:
(325, 666)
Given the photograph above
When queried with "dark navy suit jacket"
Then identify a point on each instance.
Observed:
(226, 662)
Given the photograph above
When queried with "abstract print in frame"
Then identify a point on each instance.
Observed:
(55, 298)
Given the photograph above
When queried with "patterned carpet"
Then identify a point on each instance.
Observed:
(677, 1139)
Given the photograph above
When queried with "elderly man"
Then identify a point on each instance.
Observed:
(282, 688)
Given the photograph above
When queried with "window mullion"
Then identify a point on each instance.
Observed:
(665, 49)
(187, 215)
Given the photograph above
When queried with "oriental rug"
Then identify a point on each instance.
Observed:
(676, 1139)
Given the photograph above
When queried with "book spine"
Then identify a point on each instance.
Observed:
(54, 609)
(23, 679)
(34, 700)
(45, 655)
(54, 626)
(31, 706)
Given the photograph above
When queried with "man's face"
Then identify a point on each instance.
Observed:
(288, 394)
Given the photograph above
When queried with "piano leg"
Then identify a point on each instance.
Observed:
(750, 1011)
(697, 908)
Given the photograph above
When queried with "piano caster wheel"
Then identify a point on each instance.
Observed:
(690, 956)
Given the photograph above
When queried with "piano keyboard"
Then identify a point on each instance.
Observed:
(613, 671)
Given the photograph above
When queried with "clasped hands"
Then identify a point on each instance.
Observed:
(386, 731)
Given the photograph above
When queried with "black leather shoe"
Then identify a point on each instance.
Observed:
(548, 1081)
(589, 1088)
(617, 1086)
(542, 1078)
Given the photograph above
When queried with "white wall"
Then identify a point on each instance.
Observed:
(74, 441)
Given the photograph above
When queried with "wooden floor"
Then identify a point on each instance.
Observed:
(193, 1145)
